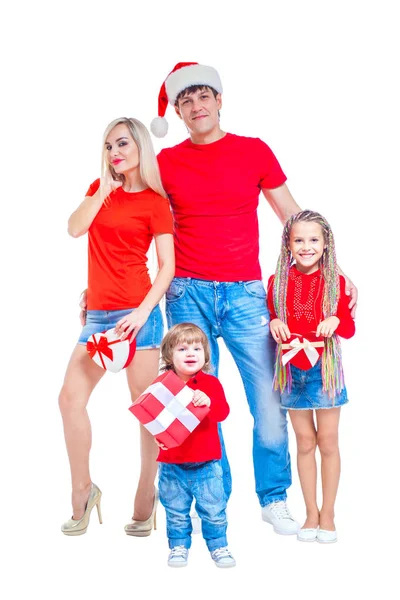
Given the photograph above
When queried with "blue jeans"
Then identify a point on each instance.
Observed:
(178, 485)
(149, 336)
(237, 312)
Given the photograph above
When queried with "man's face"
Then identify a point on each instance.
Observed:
(199, 111)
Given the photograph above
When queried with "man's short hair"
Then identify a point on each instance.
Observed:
(194, 88)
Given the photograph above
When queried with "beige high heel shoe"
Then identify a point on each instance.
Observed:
(79, 527)
(144, 528)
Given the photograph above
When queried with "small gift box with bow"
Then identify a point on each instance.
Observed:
(301, 351)
(166, 410)
(109, 351)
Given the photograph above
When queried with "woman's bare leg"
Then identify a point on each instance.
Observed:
(327, 440)
(80, 379)
(141, 373)
(306, 437)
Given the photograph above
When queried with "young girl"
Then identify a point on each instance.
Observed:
(122, 213)
(306, 298)
(193, 469)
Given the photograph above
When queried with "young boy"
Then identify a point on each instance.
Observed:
(193, 469)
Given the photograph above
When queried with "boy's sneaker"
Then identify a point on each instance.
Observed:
(223, 558)
(278, 515)
(178, 557)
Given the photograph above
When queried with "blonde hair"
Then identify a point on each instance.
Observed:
(179, 334)
(149, 171)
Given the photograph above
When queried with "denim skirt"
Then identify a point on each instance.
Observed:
(149, 336)
(307, 392)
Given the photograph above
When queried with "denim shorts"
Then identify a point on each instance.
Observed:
(307, 392)
(149, 336)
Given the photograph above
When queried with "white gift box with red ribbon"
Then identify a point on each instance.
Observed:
(109, 351)
(166, 409)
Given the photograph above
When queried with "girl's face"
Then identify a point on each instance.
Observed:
(122, 151)
(307, 245)
(188, 359)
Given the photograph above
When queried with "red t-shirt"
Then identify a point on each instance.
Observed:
(214, 190)
(304, 310)
(119, 237)
(203, 443)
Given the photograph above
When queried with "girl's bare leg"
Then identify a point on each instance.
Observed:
(306, 437)
(327, 440)
(141, 373)
(80, 379)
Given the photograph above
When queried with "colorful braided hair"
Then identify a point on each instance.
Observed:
(332, 372)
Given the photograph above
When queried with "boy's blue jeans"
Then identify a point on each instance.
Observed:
(178, 485)
(237, 312)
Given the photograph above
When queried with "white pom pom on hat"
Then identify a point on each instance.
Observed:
(182, 76)
(159, 127)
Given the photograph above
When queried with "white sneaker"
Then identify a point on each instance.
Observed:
(326, 537)
(196, 522)
(223, 558)
(178, 557)
(278, 515)
(309, 534)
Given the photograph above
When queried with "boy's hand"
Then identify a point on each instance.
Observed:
(279, 330)
(327, 327)
(160, 445)
(201, 399)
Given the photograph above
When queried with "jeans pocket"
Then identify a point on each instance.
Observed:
(214, 488)
(169, 489)
(175, 291)
(255, 288)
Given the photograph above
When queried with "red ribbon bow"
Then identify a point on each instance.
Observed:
(101, 347)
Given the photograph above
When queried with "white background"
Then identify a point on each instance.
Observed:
(318, 82)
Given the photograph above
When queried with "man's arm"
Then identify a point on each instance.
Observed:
(284, 206)
(282, 202)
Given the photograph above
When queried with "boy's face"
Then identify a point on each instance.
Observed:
(188, 359)
(199, 111)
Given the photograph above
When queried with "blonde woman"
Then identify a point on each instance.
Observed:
(122, 213)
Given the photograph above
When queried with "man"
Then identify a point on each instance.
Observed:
(213, 180)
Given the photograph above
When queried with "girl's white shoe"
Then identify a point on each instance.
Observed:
(326, 537)
(308, 534)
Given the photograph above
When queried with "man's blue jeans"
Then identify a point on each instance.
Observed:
(237, 312)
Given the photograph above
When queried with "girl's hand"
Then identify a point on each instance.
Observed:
(132, 323)
(327, 327)
(279, 330)
(201, 399)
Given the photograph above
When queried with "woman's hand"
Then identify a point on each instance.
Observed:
(132, 323)
(83, 307)
(279, 330)
(201, 399)
(327, 327)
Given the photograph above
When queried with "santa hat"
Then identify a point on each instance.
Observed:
(182, 76)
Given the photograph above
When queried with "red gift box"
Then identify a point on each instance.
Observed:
(299, 343)
(166, 410)
(109, 351)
